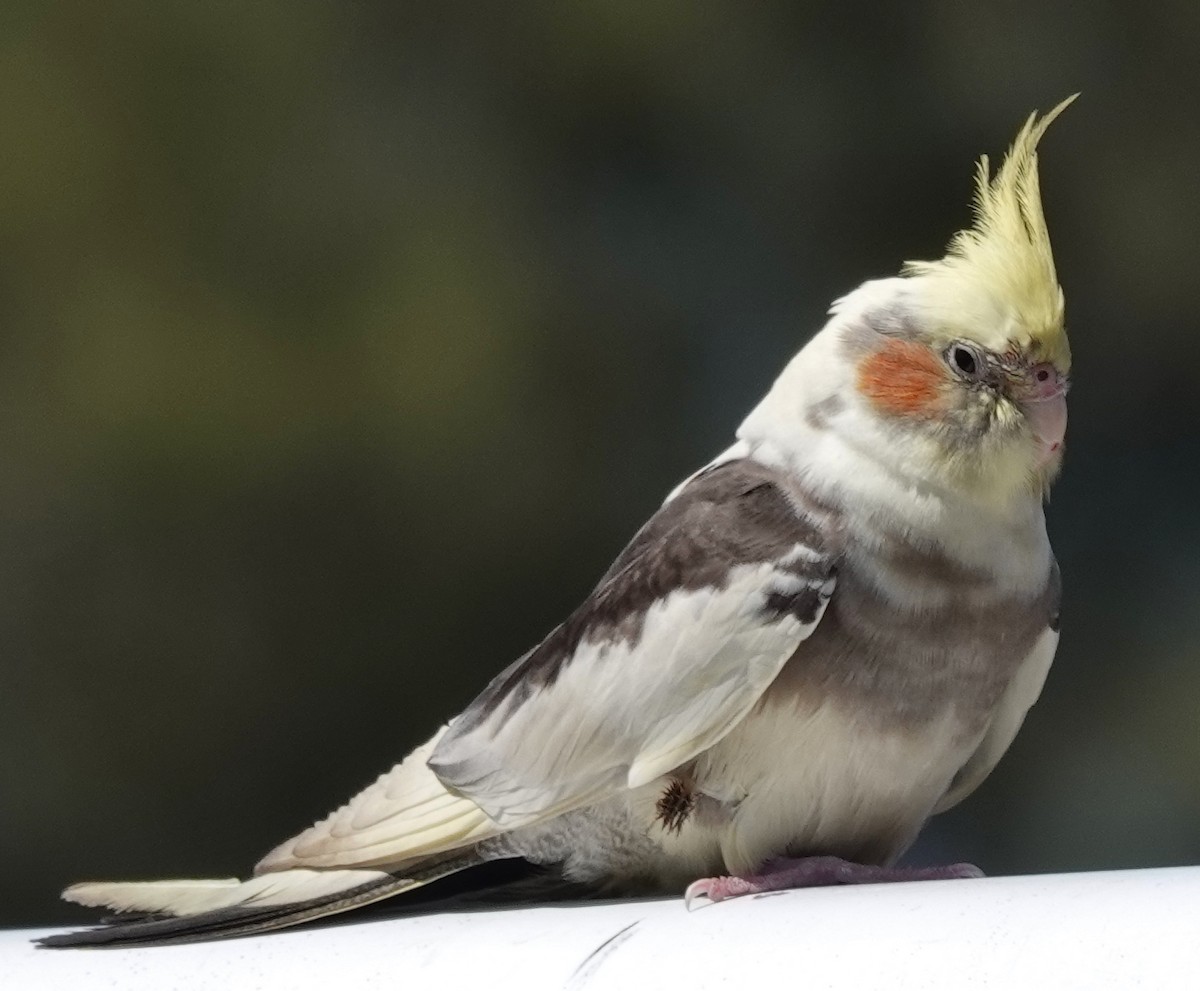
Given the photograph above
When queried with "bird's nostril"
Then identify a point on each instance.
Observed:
(1042, 375)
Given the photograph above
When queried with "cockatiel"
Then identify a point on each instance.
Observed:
(825, 636)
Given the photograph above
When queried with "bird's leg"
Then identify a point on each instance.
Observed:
(814, 872)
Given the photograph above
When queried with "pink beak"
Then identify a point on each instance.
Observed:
(1045, 405)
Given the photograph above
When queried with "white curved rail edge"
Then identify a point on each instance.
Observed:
(1118, 929)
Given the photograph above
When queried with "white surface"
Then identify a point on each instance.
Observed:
(1122, 929)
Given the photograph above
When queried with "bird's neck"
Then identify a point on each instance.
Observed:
(873, 496)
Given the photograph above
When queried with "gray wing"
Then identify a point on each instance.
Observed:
(669, 652)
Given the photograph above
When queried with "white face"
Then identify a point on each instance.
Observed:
(944, 406)
(993, 414)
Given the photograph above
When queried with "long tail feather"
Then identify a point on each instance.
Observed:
(259, 909)
(192, 897)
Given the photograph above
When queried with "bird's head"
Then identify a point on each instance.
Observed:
(959, 366)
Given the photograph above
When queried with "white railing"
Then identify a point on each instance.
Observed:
(1119, 929)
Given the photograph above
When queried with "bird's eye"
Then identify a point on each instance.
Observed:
(966, 360)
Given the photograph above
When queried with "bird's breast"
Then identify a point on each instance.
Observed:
(865, 727)
(803, 778)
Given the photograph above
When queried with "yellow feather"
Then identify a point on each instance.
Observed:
(997, 282)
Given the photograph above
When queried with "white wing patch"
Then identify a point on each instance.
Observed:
(622, 712)
(407, 813)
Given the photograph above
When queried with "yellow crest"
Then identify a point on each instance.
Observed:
(997, 282)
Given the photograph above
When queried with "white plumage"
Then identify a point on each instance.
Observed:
(824, 636)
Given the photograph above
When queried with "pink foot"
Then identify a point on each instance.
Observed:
(814, 872)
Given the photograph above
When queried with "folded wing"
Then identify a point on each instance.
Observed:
(671, 650)
(673, 647)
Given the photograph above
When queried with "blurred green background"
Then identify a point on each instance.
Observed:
(342, 345)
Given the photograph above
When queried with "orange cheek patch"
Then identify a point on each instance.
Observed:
(903, 379)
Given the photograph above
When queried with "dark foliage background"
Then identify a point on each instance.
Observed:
(343, 344)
